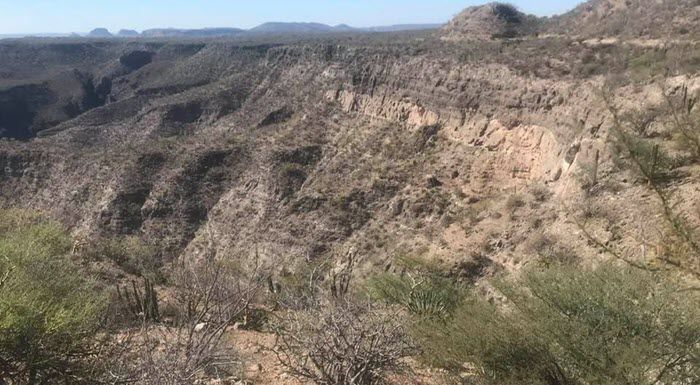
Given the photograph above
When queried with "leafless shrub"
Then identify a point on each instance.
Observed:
(684, 119)
(540, 192)
(209, 297)
(329, 338)
(514, 202)
(550, 250)
(344, 343)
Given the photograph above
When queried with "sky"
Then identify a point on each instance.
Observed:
(63, 16)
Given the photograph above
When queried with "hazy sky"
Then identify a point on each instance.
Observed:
(33, 16)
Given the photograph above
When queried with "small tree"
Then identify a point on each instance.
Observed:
(48, 310)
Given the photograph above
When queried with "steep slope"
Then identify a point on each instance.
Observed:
(679, 19)
(461, 155)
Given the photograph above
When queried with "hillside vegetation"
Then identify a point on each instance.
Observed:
(506, 200)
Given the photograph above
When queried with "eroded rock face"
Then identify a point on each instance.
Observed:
(311, 149)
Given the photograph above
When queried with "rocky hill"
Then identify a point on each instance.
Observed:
(494, 20)
(679, 19)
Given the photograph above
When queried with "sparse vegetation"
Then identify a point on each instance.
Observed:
(639, 151)
(334, 338)
(514, 202)
(209, 297)
(550, 250)
(131, 254)
(540, 192)
(342, 209)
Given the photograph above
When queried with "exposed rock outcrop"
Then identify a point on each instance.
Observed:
(309, 149)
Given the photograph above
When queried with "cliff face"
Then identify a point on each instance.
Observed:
(314, 148)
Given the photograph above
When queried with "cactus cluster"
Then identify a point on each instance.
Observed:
(143, 304)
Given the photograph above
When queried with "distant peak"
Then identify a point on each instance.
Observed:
(127, 33)
(100, 32)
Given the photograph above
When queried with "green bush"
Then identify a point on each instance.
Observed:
(610, 325)
(427, 296)
(129, 253)
(47, 309)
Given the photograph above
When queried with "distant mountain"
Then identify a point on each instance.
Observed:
(127, 33)
(205, 32)
(213, 32)
(402, 27)
(99, 32)
(343, 27)
(277, 27)
(266, 28)
(20, 35)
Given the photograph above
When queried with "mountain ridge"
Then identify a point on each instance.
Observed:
(265, 28)
(631, 19)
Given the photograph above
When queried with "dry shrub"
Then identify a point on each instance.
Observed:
(329, 338)
(208, 298)
(550, 250)
(343, 343)
(540, 192)
(514, 202)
